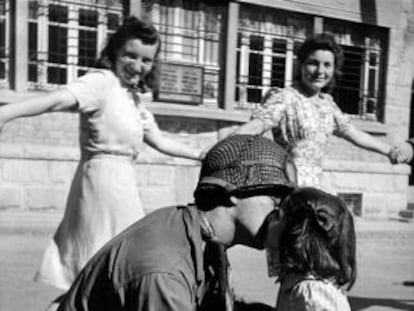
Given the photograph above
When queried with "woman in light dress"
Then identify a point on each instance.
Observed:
(114, 122)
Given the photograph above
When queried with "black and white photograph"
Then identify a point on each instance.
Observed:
(197, 155)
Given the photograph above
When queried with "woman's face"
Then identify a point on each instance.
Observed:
(133, 61)
(318, 70)
(275, 227)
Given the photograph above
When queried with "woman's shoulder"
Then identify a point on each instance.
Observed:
(92, 89)
(103, 73)
(329, 99)
(311, 286)
(102, 78)
(320, 292)
(277, 95)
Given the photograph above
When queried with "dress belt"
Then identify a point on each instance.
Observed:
(87, 155)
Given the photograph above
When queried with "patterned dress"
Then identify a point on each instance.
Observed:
(103, 198)
(302, 125)
(308, 293)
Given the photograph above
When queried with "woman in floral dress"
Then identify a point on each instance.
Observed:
(304, 115)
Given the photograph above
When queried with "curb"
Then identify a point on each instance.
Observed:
(47, 221)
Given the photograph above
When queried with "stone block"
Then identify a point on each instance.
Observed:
(142, 174)
(399, 182)
(62, 172)
(379, 183)
(11, 197)
(25, 171)
(373, 206)
(45, 198)
(383, 205)
(185, 182)
(160, 175)
(156, 197)
(346, 182)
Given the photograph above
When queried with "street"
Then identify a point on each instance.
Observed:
(385, 268)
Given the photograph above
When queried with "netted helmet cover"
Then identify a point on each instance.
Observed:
(247, 162)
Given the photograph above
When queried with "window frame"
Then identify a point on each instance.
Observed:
(4, 82)
(72, 66)
(174, 30)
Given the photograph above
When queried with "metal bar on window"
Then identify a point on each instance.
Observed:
(4, 43)
(289, 72)
(19, 48)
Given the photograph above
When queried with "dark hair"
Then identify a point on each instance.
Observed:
(319, 237)
(322, 41)
(132, 28)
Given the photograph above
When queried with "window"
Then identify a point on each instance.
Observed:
(58, 44)
(359, 89)
(65, 38)
(265, 46)
(267, 42)
(4, 59)
(192, 32)
(88, 39)
(33, 44)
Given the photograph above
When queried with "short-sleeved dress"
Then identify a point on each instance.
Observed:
(302, 125)
(103, 199)
(308, 293)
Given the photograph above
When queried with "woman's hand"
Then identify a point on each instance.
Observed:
(402, 153)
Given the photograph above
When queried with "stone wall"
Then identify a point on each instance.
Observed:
(38, 157)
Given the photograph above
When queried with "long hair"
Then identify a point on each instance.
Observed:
(322, 41)
(319, 237)
(132, 28)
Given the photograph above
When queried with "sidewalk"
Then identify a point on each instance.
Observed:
(46, 222)
(385, 264)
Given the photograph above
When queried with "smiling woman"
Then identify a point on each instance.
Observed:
(134, 60)
(317, 71)
(304, 115)
(114, 123)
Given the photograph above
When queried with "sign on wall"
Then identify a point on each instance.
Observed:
(180, 83)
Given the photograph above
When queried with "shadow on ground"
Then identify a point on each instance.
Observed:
(362, 303)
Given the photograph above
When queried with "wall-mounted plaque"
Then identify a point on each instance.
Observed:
(180, 84)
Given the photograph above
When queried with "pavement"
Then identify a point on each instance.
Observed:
(384, 282)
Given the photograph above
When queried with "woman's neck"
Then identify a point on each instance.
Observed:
(306, 91)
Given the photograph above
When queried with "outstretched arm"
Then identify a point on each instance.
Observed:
(365, 140)
(54, 101)
(253, 127)
(154, 138)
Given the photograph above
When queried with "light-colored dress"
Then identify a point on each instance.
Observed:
(103, 199)
(302, 125)
(307, 293)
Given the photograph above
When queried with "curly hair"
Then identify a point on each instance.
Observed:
(133, 28)
(322, 41)
(319, 237)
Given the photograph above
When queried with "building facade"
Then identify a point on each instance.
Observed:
(218, 58)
